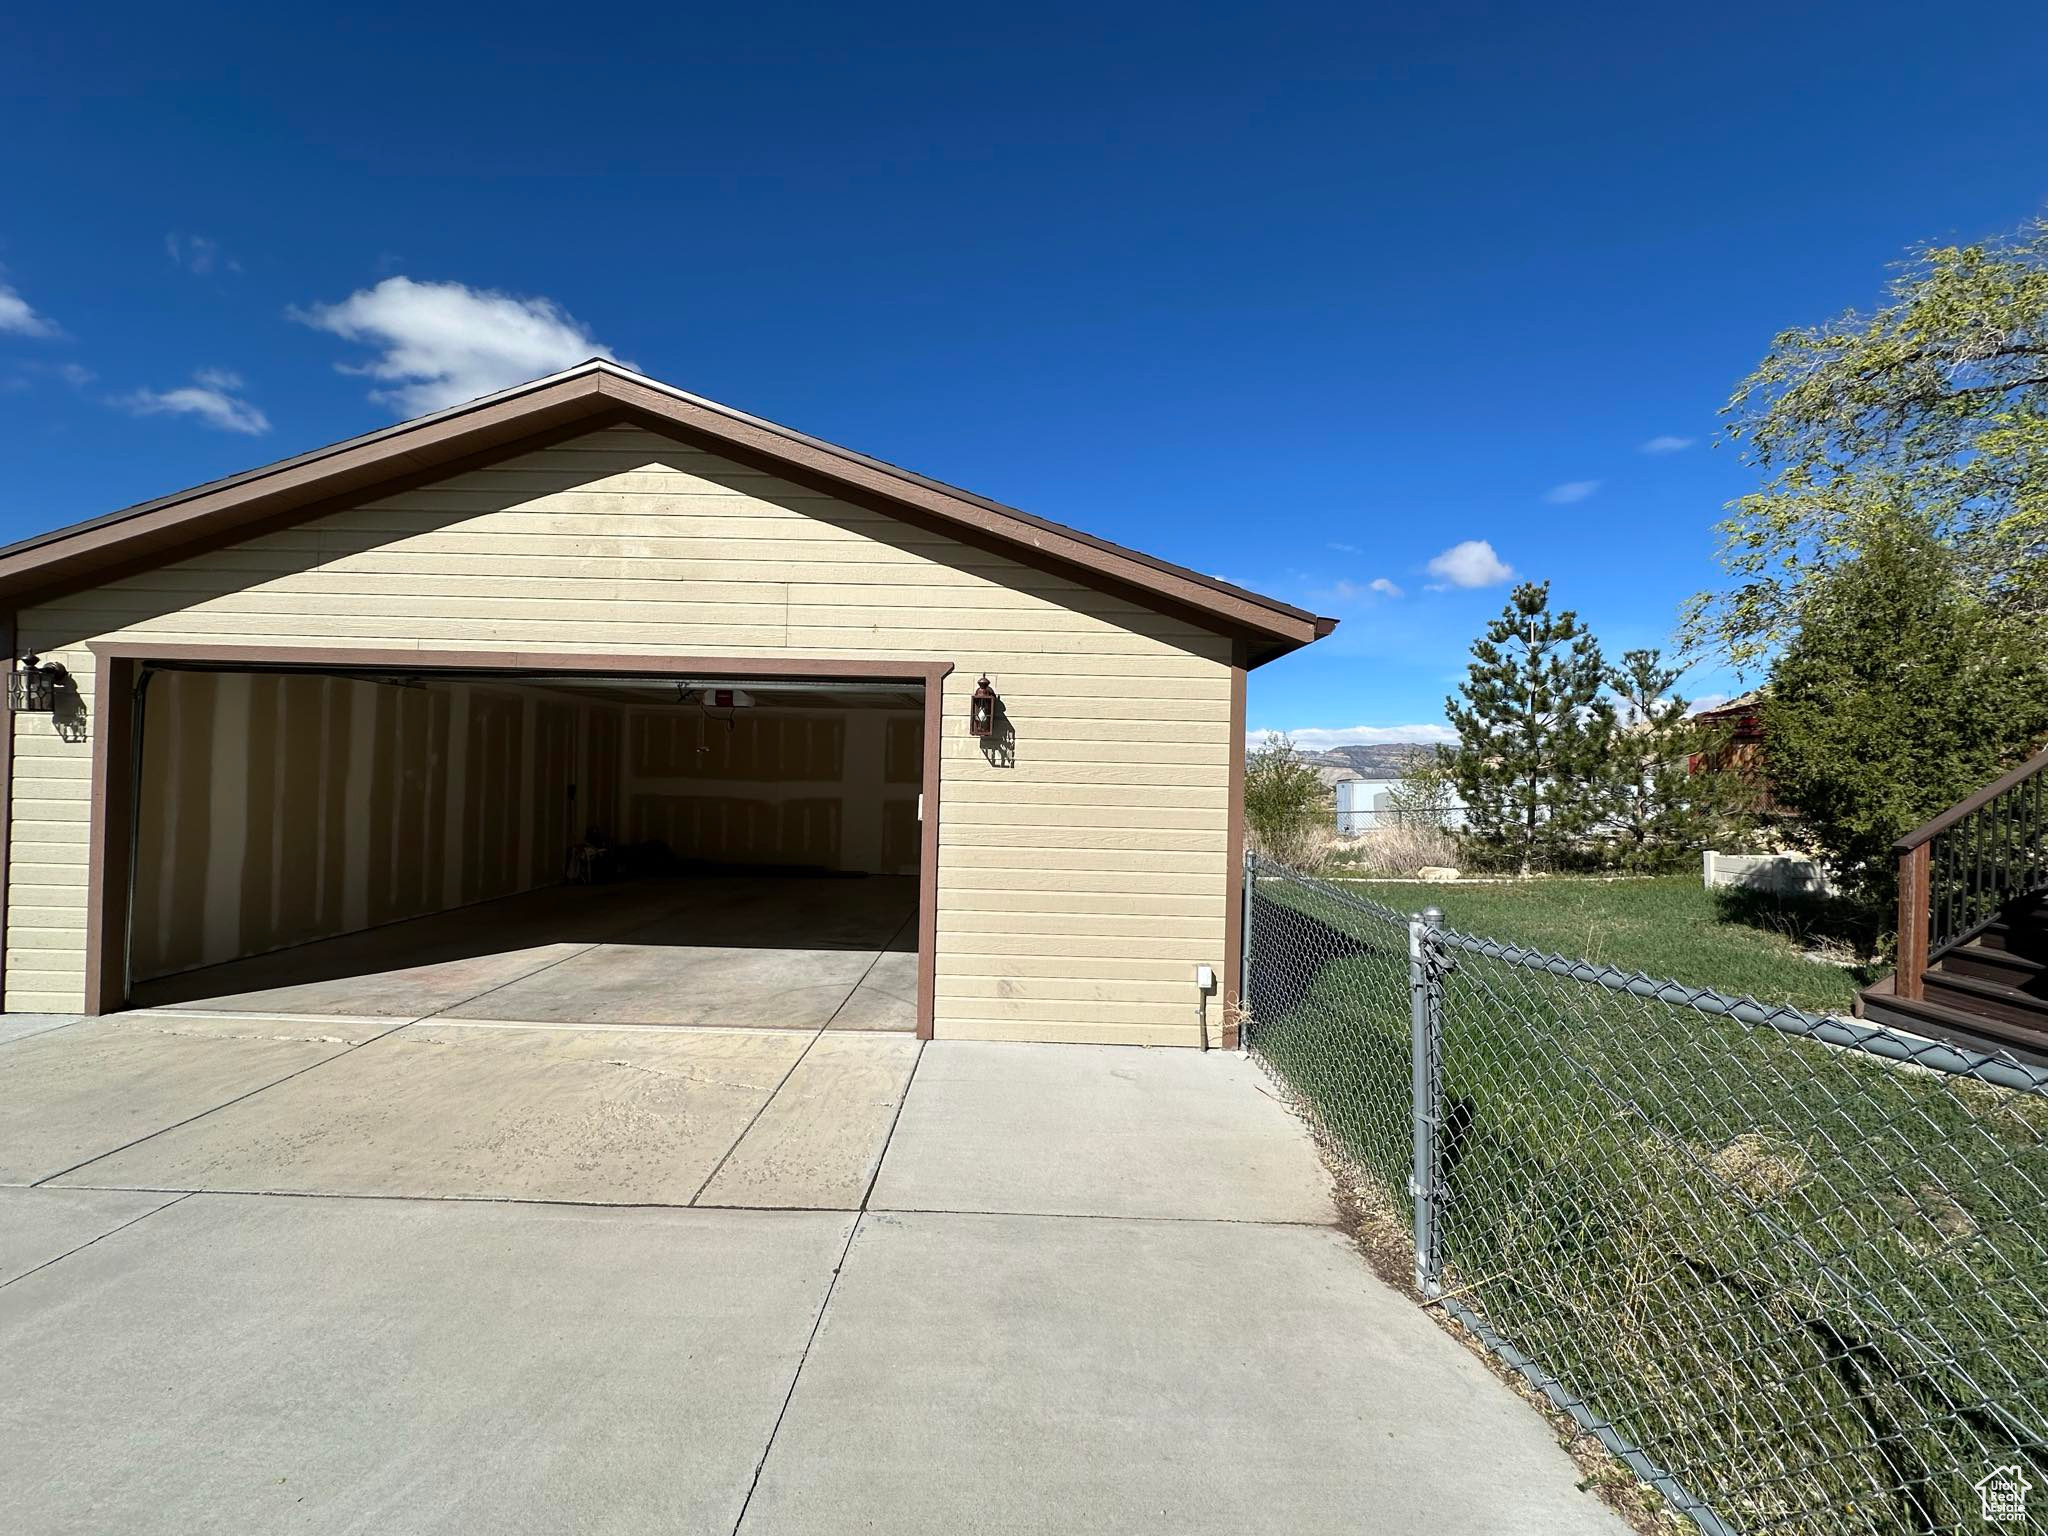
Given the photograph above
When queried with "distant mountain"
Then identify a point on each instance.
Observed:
(1382, 760)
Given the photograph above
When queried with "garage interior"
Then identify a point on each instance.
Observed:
(544, 847)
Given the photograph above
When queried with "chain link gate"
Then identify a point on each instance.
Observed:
(1789, 1268)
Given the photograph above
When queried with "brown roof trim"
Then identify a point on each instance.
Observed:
(585, 396)
(375, 658)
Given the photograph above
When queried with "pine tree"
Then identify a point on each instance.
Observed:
(1654, 810)
(1532, 732)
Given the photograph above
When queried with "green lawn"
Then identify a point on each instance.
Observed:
(1809, 1283)
(1668, 927)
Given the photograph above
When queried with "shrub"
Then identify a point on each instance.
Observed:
(1901, 693)
(1426, 794)
(1287, 814)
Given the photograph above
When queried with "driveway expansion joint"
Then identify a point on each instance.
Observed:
(347, 1050)
(161, 1130)
(176, 1198)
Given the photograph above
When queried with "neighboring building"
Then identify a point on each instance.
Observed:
(1736, 730)
(1363, 804)
(1739, 725)
(413, 670)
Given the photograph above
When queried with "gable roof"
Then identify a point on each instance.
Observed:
(591, 395)
(1741, 705)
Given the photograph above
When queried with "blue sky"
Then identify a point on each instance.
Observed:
(1306, 297)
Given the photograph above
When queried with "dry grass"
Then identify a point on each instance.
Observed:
(1761, 1167)
(1307, 850)
(1397, 850)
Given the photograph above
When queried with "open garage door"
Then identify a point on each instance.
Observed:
(655, 843)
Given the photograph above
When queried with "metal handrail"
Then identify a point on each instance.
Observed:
(1958, 871)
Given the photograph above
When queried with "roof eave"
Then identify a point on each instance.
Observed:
(240, 505)
(237, 506)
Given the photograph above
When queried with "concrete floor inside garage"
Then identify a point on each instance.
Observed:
(766, 951)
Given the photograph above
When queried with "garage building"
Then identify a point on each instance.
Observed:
(596, 660)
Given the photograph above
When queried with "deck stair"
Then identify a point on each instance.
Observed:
(1973, 922)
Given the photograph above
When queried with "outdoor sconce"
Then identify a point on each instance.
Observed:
(981, 716)
(32, 686)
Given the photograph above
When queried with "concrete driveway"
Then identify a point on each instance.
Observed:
(265, 1273)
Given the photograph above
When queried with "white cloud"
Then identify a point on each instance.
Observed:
(1347, 549)
(1667, 444)
(1344, 590)
(444, 343)
(1571, 491)
(214, 396)
(31, 370)
(197, 254)
(1319, 739)
(18, 317)
(1469, 564)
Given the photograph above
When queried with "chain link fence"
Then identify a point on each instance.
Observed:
(1791, 1269)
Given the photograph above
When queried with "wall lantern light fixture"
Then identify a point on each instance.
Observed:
(981, 715)
(32, 686)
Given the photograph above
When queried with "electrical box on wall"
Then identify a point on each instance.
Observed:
(728, 698)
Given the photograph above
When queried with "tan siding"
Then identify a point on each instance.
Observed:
(1079, 888)
(276, 809)
(772, 785)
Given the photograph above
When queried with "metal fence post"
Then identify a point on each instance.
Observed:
(1426, 1087)
(1244, 955)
